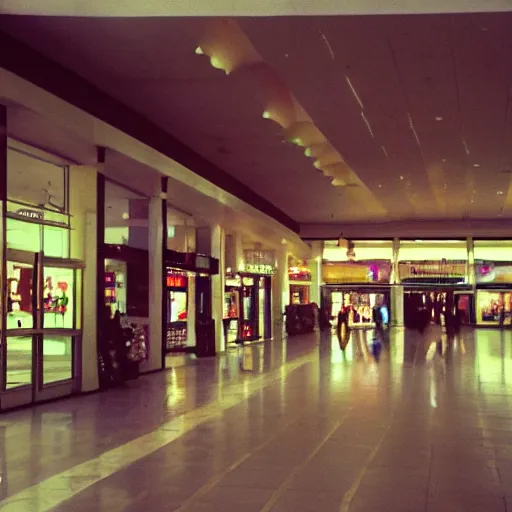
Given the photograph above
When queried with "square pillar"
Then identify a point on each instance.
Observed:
(471, 261)
(218, 250)
(280, 292)
(315, 267)
(86, 223)
(155, 238)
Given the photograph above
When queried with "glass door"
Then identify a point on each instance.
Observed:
(21, 319)
(42, 338)
(59, 342)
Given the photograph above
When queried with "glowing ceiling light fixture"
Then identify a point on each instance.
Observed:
(125, 215)
(500, 193)
(308, 152)
(218, 64)
(199, 51)
(401, 178)
(439, 118)
(476, 165)
(317, 164)
(297, 141)
(266, 115)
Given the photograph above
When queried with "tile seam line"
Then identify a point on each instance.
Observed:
(217, 478)
(282, 488)
(350, 494)
(27, 494)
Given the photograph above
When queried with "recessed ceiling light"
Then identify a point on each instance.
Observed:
(380, 186)
(401, 178)
(439, 118)
(476, 165)
(500, 192)
(443, 159)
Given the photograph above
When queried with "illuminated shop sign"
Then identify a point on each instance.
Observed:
(356, 272)
(30, 214)
(176, 281)
(258, 268)
(442, 269)
(493, 272)
(299, 274)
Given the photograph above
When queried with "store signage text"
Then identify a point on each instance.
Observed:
(432, 269)
(30, 214)
(258, 268)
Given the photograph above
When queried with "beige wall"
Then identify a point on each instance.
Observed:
(82, 201)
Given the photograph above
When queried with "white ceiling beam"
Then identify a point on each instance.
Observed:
(131, 8)
(417, 229)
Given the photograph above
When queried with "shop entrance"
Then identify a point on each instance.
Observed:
(436, 300)
(41, 338)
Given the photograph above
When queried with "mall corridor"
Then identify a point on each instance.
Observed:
(419, 424)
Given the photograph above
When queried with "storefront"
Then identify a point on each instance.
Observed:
(232, 309)
(42, 316)
(356, 288)
(183, 271)
(435, 275)
(436, 285)
(255, 322)
(493, 300)
(299, 277)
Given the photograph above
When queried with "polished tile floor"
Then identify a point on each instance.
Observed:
(404, 424)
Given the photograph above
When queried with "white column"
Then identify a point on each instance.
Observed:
(191, 311)
(397, 290)
(315, 267)
(471, 261)
(156, 283)
(218, 250)
(280, 291)
(83, 246)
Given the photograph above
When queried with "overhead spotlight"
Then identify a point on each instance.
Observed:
(401, 178)
(199, 51)
(266, 114)
(308, 152)
(476, 165)
(125, 215)
(317, 164)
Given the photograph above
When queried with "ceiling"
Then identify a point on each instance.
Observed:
(417, 107)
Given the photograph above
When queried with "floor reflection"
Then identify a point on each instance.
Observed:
(199, 417)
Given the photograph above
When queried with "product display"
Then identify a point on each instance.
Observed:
(493, 307)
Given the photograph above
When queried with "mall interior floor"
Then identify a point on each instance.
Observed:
(416, 425)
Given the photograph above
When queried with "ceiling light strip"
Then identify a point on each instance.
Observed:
(367, 124)
(326, 41)
(354, 92)
(411, 125)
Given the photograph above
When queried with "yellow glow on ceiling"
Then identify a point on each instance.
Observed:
(228, 48)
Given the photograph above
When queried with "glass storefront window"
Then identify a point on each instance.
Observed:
(19, 361)
(56, 242)
(19, 295)
(493, 307)
(23, 236)
(115, 285)
(58, 298)
(57, 358)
